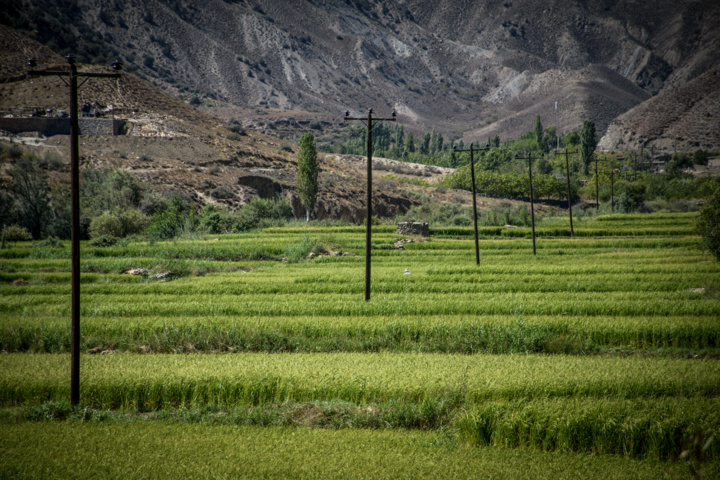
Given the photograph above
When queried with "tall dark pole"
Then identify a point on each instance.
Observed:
(368, 229)
(569, 192)
(74, 210)
(75, 236)
(641, 162)
(368, 226)
(532, 201)
(612, 190)
(475, 215)
(597, 184)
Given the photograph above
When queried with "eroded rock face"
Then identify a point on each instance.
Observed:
(414, 228)
(265, 187)
(349, 206)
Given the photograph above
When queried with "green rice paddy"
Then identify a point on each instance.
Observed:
(605, 344)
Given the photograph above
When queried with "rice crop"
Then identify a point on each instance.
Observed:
(180, 450)
(658, 428)
(575, 296)
(631, 406)
(436, 333)
(155, 381)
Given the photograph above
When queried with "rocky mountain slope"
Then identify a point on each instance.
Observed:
(454, 65)
(687, 116)
(172, 146)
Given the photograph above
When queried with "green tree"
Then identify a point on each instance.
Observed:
(32, 192)
(538, 131)
(700, 157)
(425, 144)
(572, 139)
(708, 223)
(549, 139)
(438, 143)
(632, 197)
(588, 142)
(543, 166)
(308, 169)
(409, 143)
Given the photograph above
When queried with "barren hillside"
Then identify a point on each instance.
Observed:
(688, 115)
(449, 64)
(175, 147)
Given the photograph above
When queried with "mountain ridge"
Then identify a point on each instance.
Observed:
(451, 65)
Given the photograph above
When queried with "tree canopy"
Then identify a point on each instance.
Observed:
(308, 169)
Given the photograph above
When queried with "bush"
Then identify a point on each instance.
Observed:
(221, 193)
(133, 221)
(632, 197)
(461, 219)
(263, 211)
(214, 220)
(106, 225)
(118, 224)
(700, 157)
(16, 233)
(708, 224)
(172, 221)
(154, 202)
(103, 242)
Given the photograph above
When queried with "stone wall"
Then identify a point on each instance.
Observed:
(50, 126)
(414, 228)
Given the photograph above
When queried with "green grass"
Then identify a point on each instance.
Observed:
(173, 450)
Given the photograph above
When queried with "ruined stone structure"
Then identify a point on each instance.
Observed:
(49, 126)
(414, 228)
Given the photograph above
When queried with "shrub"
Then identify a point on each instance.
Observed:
(461, 220)
(708, 224)
(154, 202)
(632, 197)
(214, 220)
(106, 225)
(103, 242)
(171, 222)
(118, 224)
(16, 233)
(260, 210)
(133, 221)
(221, 193)
(700, 157)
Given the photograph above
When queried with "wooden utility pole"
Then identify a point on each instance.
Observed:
(368, 227)
(532, 202)
(73, 75)
(569, 192)
(472, 175)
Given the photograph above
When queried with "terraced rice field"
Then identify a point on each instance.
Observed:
(606, 344)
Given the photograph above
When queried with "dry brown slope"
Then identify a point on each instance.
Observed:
(448, 64)
(175, 147)
(689, 114)
(595, 92)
